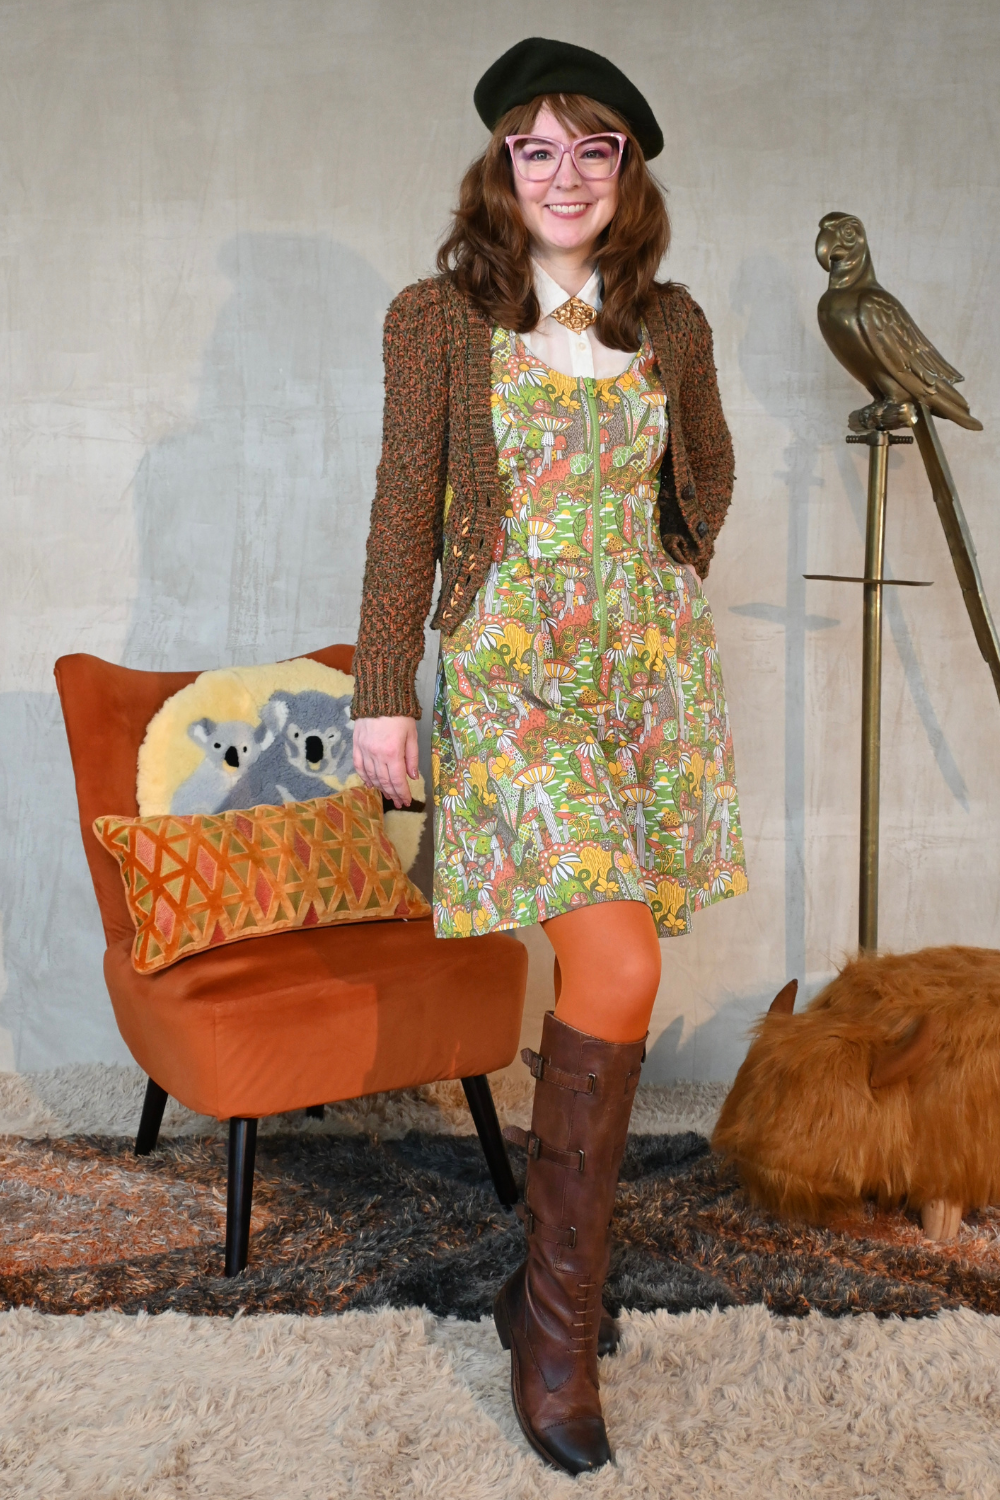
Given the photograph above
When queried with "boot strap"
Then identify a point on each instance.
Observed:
(579, 1083)
(537, 1149)
(544, 1231)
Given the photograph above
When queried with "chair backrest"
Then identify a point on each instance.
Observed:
(106, 710)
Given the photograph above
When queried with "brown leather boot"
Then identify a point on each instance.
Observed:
(547, 1314)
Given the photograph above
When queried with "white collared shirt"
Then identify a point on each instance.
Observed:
(559, 347)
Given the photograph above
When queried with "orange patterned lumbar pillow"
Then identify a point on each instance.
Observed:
(196, 881)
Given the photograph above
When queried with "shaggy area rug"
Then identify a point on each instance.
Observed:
(735, 1405)
(347, 1222)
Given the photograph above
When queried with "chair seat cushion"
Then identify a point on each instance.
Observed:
(316, 1015)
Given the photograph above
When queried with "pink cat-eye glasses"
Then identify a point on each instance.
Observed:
(537, 159)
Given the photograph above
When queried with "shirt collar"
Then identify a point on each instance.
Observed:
(551, 295)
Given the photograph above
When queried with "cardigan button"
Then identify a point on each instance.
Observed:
(687, 493)
(702, 528)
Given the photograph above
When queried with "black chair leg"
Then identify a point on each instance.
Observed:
(484, 1115)
(239, 1194)
(153, 1106)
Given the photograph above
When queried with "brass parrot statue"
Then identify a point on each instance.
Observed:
(873, 336)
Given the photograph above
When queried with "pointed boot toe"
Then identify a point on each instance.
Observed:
(579, 1444)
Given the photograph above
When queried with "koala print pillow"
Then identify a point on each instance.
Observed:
(242, 737)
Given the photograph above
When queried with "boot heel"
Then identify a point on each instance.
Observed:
(501, 1320)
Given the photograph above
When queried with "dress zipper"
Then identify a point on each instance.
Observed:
(598, 525)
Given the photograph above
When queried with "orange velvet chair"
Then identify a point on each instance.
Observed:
(279, 1023)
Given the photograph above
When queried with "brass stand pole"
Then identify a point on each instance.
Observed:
(872, 425)
(871, 688)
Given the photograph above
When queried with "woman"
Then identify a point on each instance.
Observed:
(553, 435)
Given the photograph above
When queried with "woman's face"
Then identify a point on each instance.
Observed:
(568, 212)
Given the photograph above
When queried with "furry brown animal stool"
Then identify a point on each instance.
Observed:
(886, 1086)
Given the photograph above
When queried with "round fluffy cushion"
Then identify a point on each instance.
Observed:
(244, 737)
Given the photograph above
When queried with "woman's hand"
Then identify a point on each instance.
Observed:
(385, 753)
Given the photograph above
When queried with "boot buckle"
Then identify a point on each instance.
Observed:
(534, 1061)
(545, 1231)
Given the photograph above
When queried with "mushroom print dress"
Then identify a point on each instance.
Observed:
(581, 741)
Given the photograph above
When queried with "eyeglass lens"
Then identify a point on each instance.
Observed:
(537, 159)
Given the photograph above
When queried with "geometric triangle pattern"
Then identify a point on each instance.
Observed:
(196, 881)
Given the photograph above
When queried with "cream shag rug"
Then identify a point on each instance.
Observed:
(392, 1404)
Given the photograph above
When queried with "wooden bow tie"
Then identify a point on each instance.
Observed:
(575, 315)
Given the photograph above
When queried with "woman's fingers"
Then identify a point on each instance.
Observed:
(384, 750)
(387, 776)
(394, 784)
(412, 753)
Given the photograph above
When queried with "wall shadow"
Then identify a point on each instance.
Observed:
(252, 520)
(55, 1004)
(723, 1037)
(782, 366)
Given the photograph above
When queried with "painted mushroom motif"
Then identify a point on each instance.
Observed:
(648, 697)
(571, 572)
(534, 779)
(640, 797)
(470, 711)
(682, 674)
(492, 828)
(490, 596)
(550, 426)
(724, 794)
(557, 673)
(598, 801)
(644, 494)
(537, 527)
(602, 709)
(657, 402)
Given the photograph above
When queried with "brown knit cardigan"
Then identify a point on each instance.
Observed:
(438, 435)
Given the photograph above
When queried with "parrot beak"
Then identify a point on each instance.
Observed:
(824, 245)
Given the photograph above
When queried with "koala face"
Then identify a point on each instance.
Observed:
(316, 751)
(316, 731)
(231, 746)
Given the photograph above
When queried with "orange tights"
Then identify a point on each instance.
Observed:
(607, 968)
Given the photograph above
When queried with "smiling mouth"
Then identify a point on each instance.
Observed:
(568, 210)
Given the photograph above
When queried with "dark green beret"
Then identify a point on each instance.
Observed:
(538, 66)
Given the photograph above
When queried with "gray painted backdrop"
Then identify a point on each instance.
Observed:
(205, 210)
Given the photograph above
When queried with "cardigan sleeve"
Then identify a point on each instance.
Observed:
(404, 538)
(707, 441)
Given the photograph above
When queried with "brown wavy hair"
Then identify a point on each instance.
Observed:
(487, 253)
